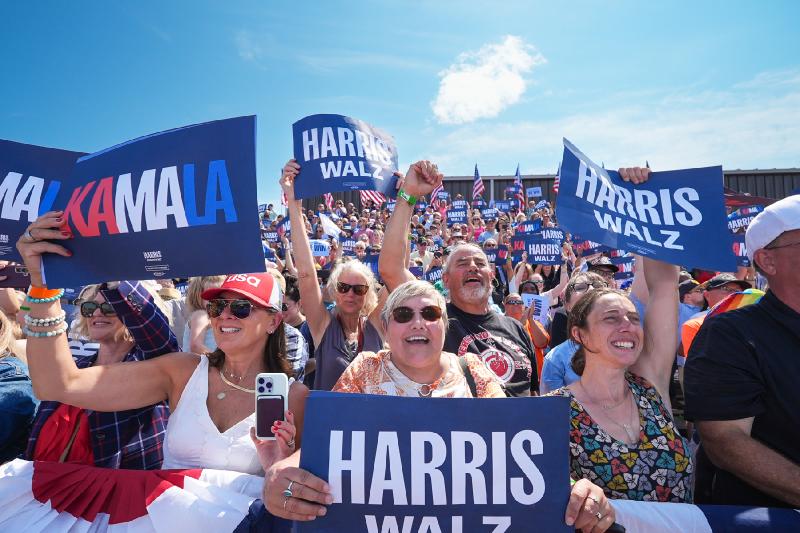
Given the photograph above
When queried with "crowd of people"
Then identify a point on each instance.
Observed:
(678, 378)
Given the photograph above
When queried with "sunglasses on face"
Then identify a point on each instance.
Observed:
(284, 307)
(239, 308)
(88, 309)
(344, 288)
(581, 287)
(403, 315)
(514, 302)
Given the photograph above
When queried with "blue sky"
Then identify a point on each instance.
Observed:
(680, 84)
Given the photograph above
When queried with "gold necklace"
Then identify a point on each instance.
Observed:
(605, 406)
(221, 395)
(633, 438)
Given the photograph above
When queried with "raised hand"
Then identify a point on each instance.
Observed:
(636, 175)
(35, 242)
(290, 171)
(422, 178)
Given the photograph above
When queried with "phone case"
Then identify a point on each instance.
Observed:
(270, 385)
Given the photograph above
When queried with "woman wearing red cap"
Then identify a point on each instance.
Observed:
(211, 398)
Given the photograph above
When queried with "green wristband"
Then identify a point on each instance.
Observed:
(410, 200)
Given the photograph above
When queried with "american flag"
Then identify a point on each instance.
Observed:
(329, 201)
(372, 196)
(435, 193)
(558, 179)
(520, 194)
(477, 184)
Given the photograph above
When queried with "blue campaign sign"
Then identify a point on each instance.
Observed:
(553, 234)
(285, 227)
(478, 203)
(741, 218)
(262, 208)
(489, 213)
(390, 205)
(625, 268)
(529, 226)
(676, 216)
(459, 204)
(31, 180)
(740, 250)
(534, 192)
(434, 274)
(268, 253)
(348, 243)
(542, 249)
(173, 204)
(320, 248)
(439, 464)
(271, 236)
(456, 216)
(503, 206)
(420, 206)
(442, 195)
(502, 255)
(338, 153)
(416, 271)
(542, 204)
(587, 247)
(491, 254)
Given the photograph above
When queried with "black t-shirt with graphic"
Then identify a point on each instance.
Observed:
(500, 342)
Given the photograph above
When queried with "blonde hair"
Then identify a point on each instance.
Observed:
(371, 298)
(412, 289)
(197, 285)
(90, 292)
(6, 336)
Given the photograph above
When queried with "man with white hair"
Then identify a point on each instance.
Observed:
(743, 370)
(500, 341)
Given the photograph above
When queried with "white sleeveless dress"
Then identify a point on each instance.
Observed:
(193, 441)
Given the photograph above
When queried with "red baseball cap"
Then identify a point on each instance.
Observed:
(259, 287)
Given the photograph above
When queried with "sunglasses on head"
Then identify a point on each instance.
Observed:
(344, 288)
(403, 314)
(88, 309)
(583, 286)
(239, 308)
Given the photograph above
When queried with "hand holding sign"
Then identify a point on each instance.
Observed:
(34, 243)
(290, 171)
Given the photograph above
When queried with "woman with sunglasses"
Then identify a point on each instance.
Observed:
(127, 322)
(414, 365)
(211, 397)
(353, 326)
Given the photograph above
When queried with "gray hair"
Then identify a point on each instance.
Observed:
(457, 248)
(412, 289)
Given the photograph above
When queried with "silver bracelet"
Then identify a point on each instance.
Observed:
(42, 334)
(46, 321)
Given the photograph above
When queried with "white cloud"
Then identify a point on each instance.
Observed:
(247, 46)
(481, 84)
(753, 124)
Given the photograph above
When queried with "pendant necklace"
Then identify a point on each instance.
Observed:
(221, 395)
(633, 437)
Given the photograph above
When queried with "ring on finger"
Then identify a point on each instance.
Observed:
(288, 490)
(291, 443)
(29, 236)
(599, 515)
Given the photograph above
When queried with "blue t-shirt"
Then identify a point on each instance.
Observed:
(556, 370)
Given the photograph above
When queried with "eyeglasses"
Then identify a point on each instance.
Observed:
(88, 309)
(239, 308)
(403, 315)
(725, 288)
(514, 302)
(344, 288)
(782, 246)
(581, 287)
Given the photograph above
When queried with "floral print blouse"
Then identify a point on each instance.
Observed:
(657, 468)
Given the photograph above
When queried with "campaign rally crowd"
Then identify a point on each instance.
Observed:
(679, 379)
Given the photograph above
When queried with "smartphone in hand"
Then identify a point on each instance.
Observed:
(272, 401)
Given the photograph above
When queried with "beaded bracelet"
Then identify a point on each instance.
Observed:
(46, 321)
(53, 298)
(42, 334)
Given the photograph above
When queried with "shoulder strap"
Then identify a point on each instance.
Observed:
(467, 374)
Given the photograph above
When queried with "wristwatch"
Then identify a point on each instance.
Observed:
(410, 200)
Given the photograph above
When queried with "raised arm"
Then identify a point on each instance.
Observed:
(144, 319)
(317, 315)
(422, 177)
(660, 325)
(563, 279)
(287, 256)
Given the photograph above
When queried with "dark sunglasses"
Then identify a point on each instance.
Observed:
(88, 309)
(344, 288)
(239, 308)
(403, 315)
(284, 307)
(580, 287)
(514, 302)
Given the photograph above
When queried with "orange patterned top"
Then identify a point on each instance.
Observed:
(374, 373)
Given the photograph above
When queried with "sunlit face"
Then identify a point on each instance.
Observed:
(241, 334)
(469, 278)
(614, 336)
(293, 310)
(514, 306)
(350, 303)
(418, 343)
(104, 328)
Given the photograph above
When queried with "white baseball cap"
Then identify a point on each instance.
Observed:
(778, 218)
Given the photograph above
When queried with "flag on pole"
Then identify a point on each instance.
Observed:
(435, 194)
(372, 196)
(558, 179)
(329, 201)
(477, 184)
(520, 190)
